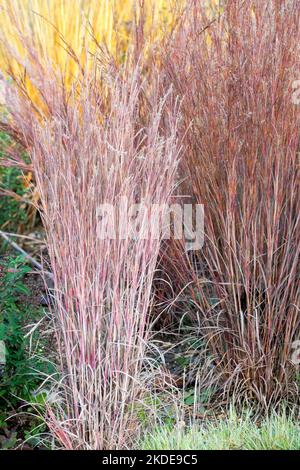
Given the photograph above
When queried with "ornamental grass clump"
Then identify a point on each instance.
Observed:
(95, 151)
(235, 73)
(67, 33)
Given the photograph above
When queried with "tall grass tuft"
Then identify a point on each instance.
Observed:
(235, 73)
(66, 35)
(85, 155)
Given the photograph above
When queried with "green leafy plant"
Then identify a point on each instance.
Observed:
(12, 211)
(20, 374)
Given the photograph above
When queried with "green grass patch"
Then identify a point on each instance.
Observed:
(277, 432)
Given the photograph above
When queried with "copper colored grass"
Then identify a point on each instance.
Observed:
(235, 74)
